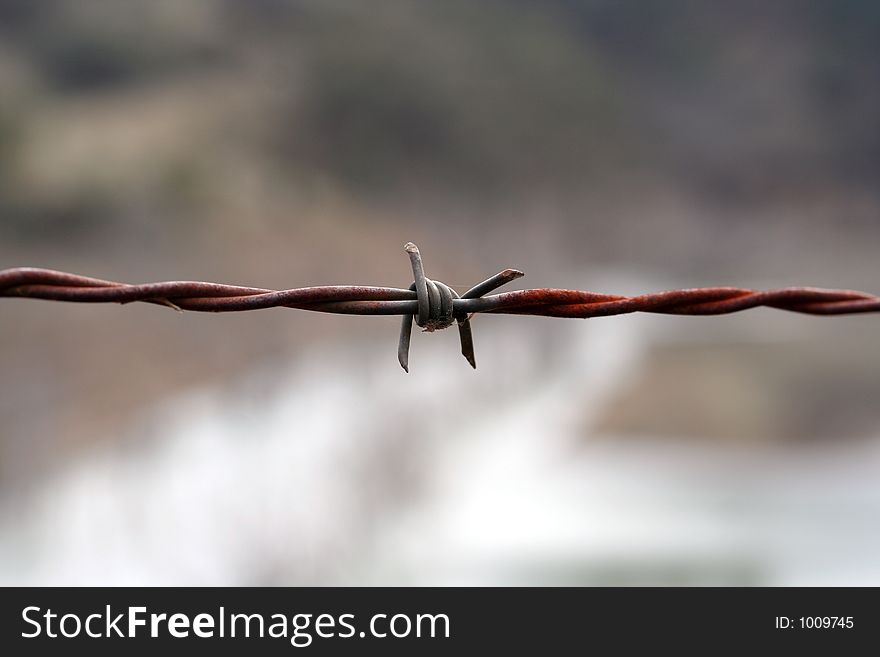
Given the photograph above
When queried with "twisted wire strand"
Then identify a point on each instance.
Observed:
(33, 283)
(431, 305)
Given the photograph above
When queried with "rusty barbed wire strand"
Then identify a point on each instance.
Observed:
(429, 304)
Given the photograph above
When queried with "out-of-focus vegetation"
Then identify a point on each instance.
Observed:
(142, 116)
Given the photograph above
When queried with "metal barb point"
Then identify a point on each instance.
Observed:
(436, 307)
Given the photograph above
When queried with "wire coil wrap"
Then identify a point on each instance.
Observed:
(436, 307)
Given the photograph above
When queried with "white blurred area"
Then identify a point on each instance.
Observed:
(337, 468)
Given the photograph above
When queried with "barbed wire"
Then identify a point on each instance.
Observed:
(431, 305)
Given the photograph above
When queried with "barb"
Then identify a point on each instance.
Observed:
(430, 304)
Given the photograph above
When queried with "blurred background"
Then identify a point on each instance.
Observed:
(620, 147)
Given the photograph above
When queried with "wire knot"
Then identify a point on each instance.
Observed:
(434, 298)
(436, 307)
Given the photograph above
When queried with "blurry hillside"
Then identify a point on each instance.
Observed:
(291, 143)
(157, 123)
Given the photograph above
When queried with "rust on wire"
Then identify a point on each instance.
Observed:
(429, 304)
